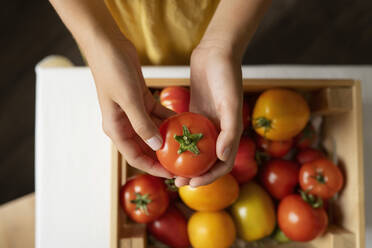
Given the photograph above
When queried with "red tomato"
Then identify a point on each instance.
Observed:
(245, 166)
(299, 220)
(308, 155)
(189, 147)
(246, 113)
(144, 198)
(175, 98)
(171, 229)
(280, 177)
(306, 138)
(321, 178)
(276, 149)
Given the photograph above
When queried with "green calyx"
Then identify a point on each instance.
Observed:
(141, 202)
(171, 186)
(307, 133)
(188, 141)
(315, 202)
(263, 122)
(319, 177)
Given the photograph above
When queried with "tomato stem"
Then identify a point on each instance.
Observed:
(315, 202)
(141, 202)
(188, 141)
(171, 186)
(263, 122)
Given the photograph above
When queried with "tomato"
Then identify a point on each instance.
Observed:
(321, 178)
(276, 149)
(212, 197)
(299, 220)
(306, 138)
(144, 198)
(280, 114)
(175, 98)
(308, 155)
(280, 177)
(171, 229)
(246, 113)
(189, 147)
(211, 229)
(172, 188)
(245, 165)
(253, 212)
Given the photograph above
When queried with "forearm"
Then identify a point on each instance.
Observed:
(234, 23)
(90, 23)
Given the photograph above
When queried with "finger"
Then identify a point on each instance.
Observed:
(231, 130)
(181, 181)
(156, 108)
(218, 170)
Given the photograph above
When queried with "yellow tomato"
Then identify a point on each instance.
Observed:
(211, 230)
(253, 212)
(212, 197)
(280, 114)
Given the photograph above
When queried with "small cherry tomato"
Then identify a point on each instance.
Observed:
(212, 197)
(299, 220)
(175, 98)
(308, 155)
(306, 138)
(189, 147)
(276, 149)
(245, 165)
(280, 114)
(211, 229)
(321, 178)
(144, 198)
(171, 228)
(280, 177)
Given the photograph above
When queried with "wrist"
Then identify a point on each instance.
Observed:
(224, 47)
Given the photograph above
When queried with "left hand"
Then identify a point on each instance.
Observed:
(216, 92)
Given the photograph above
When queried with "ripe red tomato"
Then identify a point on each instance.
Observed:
(321, 178)
(189, 147)
(299, 220)
(308, 155)
(144, 198)
(280, 177)
(246, 113)
(276, 149)
(171, 229)
(245, 166)
(175, 98)
(306, 138)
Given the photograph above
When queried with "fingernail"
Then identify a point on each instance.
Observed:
(226, 154)
(155, 142)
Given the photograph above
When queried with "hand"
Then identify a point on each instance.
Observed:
(130, 114)
(216, 92)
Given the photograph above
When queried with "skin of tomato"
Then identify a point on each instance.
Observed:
(171, 229)
(245, 166)
(299, 221)
(308, 155)
(253, 213)
(280, 177)
(212, 197)
(175, 98)
(145, 184)
(333, 178)
(188, 164)
(211, 229)
(276, 149)
(287, 110)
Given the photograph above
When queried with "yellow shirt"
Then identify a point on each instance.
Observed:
(163, 31)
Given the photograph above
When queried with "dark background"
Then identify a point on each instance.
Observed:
(292, 32)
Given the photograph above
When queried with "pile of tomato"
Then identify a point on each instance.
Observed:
(279, 187)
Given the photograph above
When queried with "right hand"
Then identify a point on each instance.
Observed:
(130, 114)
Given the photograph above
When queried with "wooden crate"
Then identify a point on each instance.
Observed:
(339, 101)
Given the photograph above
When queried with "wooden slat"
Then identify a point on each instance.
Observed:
(332, 101)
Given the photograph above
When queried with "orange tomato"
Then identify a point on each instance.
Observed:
(212, 197)
(211, 229)
(280, 114)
